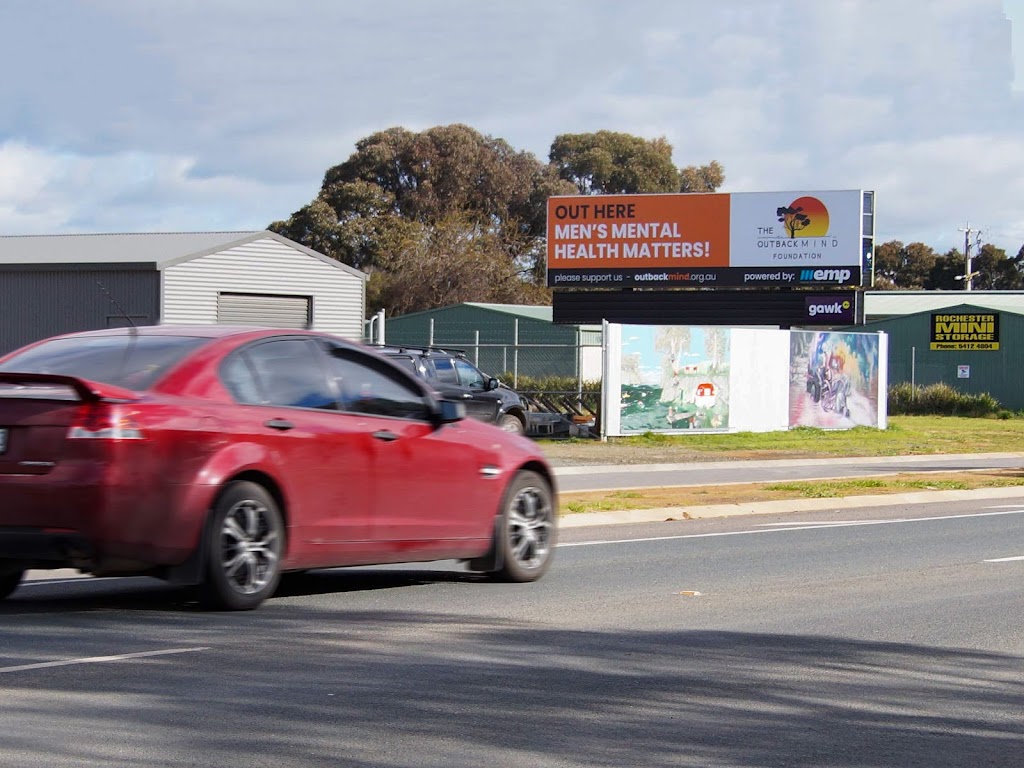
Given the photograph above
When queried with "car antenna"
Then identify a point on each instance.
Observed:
(119, 308)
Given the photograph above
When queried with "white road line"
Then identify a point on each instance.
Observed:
(48, 582)
(99, 659)
(84, 579)
(825, 523)
(1005, 559)
(811, 527)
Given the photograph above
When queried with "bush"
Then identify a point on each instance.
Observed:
(940, 400)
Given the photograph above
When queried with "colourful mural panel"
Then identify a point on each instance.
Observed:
(674, 378)
(833, 379)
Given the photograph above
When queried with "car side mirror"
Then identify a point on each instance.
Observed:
(492, 383)
(450, 411)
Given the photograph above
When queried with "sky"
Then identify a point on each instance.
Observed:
(196, 115)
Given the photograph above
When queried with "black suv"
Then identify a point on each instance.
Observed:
(454, 377)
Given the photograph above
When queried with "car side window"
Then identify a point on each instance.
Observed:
(238, 377)
(290, 374)
(469, 376)
(368, 386)
(445, 370)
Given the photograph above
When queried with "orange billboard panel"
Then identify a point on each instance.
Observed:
(638, 231)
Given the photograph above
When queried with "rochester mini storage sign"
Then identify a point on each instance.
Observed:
(705, 240)
(965, 332)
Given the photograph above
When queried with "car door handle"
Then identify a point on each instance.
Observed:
(385, 434)
(467, 395)
(282, 424)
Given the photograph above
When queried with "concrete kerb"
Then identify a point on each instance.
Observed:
(573, 469)
(582, 519)
(661, 514)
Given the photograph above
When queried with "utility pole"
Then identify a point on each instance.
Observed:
(968, 275)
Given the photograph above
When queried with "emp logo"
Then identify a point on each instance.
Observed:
(826, 275)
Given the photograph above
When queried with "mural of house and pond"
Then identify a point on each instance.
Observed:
(674, 378)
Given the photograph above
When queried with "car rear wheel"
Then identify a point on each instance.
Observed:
(10, 578)
(524, 537)
(510, 423)
(243, 549)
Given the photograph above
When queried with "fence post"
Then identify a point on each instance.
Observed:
(515, 353)
(430, 343)
(476, 348)
(579, 365)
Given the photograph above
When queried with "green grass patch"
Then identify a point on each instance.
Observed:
(905, 436)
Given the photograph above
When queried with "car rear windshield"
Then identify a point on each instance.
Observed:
(133, 362)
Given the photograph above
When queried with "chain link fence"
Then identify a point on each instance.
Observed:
(556, 368)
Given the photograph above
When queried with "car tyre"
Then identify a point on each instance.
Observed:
(243, 549)
(10, 578)
(525, 532)
(511, 423)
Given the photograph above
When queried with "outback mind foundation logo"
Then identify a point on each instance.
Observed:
(804, 217)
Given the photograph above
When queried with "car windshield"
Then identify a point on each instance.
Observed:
(130, 361)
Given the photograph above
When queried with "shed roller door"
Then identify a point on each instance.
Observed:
(262, 309)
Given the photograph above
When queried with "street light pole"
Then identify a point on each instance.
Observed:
(968, 276)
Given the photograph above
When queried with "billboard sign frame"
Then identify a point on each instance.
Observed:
(706, 240)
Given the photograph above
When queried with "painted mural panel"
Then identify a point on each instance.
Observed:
(833, 379)
(674, 378)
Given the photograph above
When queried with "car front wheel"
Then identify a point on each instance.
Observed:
(524, 537)
(10, 578)
(243, 549)
(510, 423)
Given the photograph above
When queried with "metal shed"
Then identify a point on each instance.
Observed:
(505, 338)
(51, 284)
(971, 347)
(881, 305)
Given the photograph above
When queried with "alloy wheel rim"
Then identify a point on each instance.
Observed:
(530, 518)
(250, 547)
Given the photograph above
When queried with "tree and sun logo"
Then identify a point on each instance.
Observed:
(804, 217)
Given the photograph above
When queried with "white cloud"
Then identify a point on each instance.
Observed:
(927, 190)
(204, 114)
(45, 192)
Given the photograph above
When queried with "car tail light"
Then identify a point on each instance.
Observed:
(103, 421)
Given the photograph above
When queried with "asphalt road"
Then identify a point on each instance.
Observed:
(609, 477)
(889, 637)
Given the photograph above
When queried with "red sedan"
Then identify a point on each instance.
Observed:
(223, 457)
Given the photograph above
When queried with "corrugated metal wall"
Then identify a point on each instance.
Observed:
(997, 372)
(36, 303)
(265, 266)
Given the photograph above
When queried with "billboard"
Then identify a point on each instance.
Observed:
(753, 239)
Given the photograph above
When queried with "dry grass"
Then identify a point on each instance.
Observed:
(656, 498)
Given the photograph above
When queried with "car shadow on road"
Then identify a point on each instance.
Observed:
(82, 595)
(298, 684)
